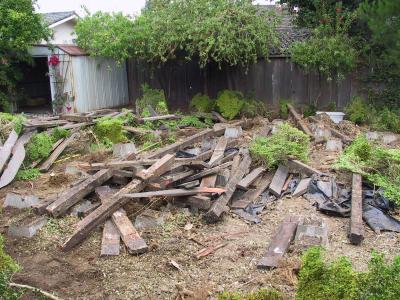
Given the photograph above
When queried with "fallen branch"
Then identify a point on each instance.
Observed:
(28, 287)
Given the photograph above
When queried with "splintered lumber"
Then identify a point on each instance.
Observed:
(279, 180)
(302, 187)
(220, 205)
(18, 156)
(158, 118)
(76, 125)
(170, 179)
(133, 241)
(356, 234)
(5, 151)
(218, 151)
(300, 121)
(76, 117)
(298, 166)
(336, 133)
(75, 194)
(279, 244)
(219, 117)
(250, 178)
(160, 167)
(175, 193)
(45, 166)
(110, 242)
(44, 124)
(207, 172)
(116, 201)
(251, 195)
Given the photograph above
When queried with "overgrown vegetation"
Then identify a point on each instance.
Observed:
(202, 103)
(276, 149)
(379, 165)
(28, 174)
(39, 147)
(110, 131)
(229, 103)
(283, 108)
(192, 121)
(338, 280)
(154, 98)
(11, 121)
(261, 294)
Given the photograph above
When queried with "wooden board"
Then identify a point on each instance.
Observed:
(219, 151)
(356, 235)
(279, 244)
(110, 242)
(158, 118)
(101, 214)
(76, 118)
(75, 194)
(5, 151)
(45, 166)
(279, 180)
(160, 167)
(251, 195)
(175, 193)
(298, 166)
(302, 187)
(300, 121)
(250, 178)
(207, 172)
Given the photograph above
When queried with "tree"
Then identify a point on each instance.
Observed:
(229, 32)
(20, 27)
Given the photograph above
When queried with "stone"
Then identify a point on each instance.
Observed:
(322, 133)
(275, 124)
(233, 132)
(27, 230)
(334, 145)
(20, 201)
(74, 170)
(123, 150)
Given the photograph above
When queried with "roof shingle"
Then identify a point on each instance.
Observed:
(55, 17)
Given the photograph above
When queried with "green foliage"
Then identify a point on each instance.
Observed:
(202, 103)
(109, 130)
(28, 174)
(283, 108)
(39, 147)
(288, 141)
(12, 120)
(379, 165)
(191, 121)
(386, 119)
(229, 103)
(21, 27)
(153, 97)
(358, 111)
(310, 110)
(188, 29)
(59, 133)
(338, 280)
(252, 108)
(261, 294)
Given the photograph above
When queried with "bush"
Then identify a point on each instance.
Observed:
(252, 108)
(283, 108)
(16, 120)
(110, 130)
(39, 147)
(29, 174)
(202, 103)
(153, 97)
(379, 165)
(192, 121)
(358, 111)
(274, 150)
(7, 268)
(386, 119)
(59, 133)
(229, 103)
(261, 294)
(338, 280)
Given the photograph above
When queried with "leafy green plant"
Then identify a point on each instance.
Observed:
(202, 103)
(191, 121)
(283, 108)
(358, 111)
(386, 119)
(274, 150)
(14, 120)
(261, 294)
(59, 133)
(229, 103)
(28, 174)
(39, 147)
(252, 108)
(110, 130)
(379, 165)
(153, 97)
(310, 110)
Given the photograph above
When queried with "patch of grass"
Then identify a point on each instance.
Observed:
(337, 280)
(229, 103)
(274, 150)
(191, 121)
(110, 130)
(379, 165)
(28, 174)
(386, 119)
(202, 103)
(261, 294)
(39, 147)
(13, 120)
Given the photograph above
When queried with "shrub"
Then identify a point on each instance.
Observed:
(153, 97)
(379, 165)
(261, 294)
(202, 103)
(386, 119)
(358, 110)
(252, 108)
(283, 108)
(59, 133)
(110, 130)
(288, 141)
(229, 103)
(28, 174)
(39, 147)
(192, 121)
(16, 120)
(338, 280)
(310, 110)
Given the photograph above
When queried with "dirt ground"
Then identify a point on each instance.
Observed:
(83, 274)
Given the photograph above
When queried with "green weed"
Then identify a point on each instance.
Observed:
(28, 174)
(15, 121)
(39, 147)
(283, 109)
(110, 130)
(358, 111)
(59, 133)
(153, 97)
(191, 121)
(202, 103)
(261, 294)
(252, 108)
(229, 103)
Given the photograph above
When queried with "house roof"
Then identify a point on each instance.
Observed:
(72, 50)
(55, 17)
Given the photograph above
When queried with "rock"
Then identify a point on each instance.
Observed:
(27, 230)
(233, 132)
(276, 123)
(20, 201)
(334, 145)
(123, 150)
(73, 170)
(321, 133)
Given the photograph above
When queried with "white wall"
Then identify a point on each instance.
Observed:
(64, 33)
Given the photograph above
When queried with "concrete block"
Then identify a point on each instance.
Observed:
(208, 144)
(334, 145)
(123, 150)
(311, 233)
(233, 132)
(20, 201)
(27, 230)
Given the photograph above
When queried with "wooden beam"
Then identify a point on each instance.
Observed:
(302, 187)
(75, 194)
(160, 167)
(300, 121)
(5, 151)
(158, 118)
(251, 195)
(175, 193)
(76, 118)
(279, 180)
(101, 214)
(170, 179)
(218, 151)
(279, 243)
(356, 234)
(207, 172)
(250, 178)
(300, 167)
(110, 242)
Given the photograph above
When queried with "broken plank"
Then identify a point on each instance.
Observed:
(116, 201)
(220, 205)
(133, 241)
(298, 166)
(75, 125)
(219, 151)
(5, 151)
(300, 121)
(170, 179)
(251, 195)
(199, 202)
(175, 193)
(45, 124)
(110, 242)
(279, 244)
(210, 249)
(73, 195)
(279, 180)
(158, 118)
(219, 117)
(76, 118)
(207, 172)
(45, 166)
(250, 178)
(160, 167)
(356, 234)
(302, 187)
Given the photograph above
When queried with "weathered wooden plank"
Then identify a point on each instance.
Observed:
(251, 195)
(302, 187)
(199, 201)
(279, 180)
(73, 195)
(170, 179)
(76, 125)
(279, 244)
(298, 166)
(300, 121)
(356, 234)
(45, 166)
(45, 124)
(76, 118)
(18, 156)
(86, 225)
(160, 167)
(110, 242)
(175, 193)
(5, 151)
(218, 151)
(207, 172)
(345, 139)
(158, 118)
(250, 178)
(220, 205)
